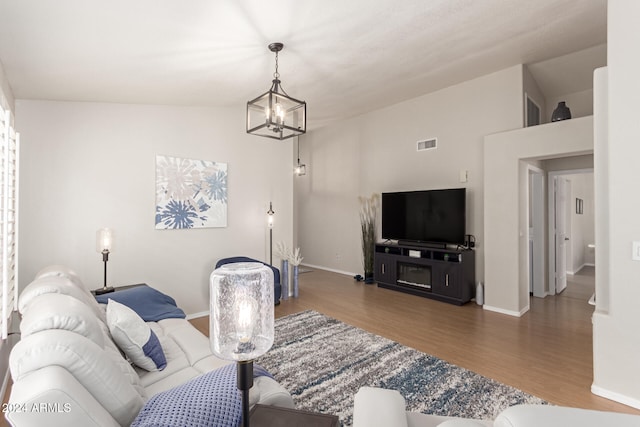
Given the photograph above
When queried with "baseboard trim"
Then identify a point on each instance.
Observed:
(320, 267)
(586, 264)
(616, 397)
(507, 312)
(198, 314)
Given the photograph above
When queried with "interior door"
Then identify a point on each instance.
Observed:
(561, 238)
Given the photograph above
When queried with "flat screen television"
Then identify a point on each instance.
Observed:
(425, 217)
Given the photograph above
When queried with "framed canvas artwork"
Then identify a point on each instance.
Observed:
(190, 193)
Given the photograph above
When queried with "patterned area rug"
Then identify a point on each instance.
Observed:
(323, 362)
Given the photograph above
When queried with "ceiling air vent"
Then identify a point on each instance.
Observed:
(427, 144)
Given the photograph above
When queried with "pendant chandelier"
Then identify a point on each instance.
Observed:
(301, 168)
(275, 114)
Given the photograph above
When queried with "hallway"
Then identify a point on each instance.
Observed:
(581, 285)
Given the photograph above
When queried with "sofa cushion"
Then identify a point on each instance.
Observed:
(377, 407)
(175, 357)
(461, 422)
(59, 311)
(526, 415)
(192, 342)
(125, 368)
(64, 272)
(52, 284)
(135, 337)
(90, 364)
(187, 353)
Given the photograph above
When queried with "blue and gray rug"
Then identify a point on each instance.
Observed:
(323, 362)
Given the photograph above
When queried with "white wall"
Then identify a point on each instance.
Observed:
(506, 181)
(568, 163)
(616, 341)
(6, 95)
(376, 152)
(88, 165)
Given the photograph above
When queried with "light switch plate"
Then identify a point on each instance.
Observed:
(464, 176)
(635, 255)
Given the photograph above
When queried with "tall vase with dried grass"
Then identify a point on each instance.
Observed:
(282, 252)
(368, 220)
(295, 259)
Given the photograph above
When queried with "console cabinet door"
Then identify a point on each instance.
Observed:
(447, 280)
(385, 269)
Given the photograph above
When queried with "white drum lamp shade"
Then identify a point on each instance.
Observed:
(242, 316)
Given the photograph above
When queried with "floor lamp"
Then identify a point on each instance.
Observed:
(270, 214)
(241, 321)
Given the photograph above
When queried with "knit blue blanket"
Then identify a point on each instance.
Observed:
(150, 304)
(212, 399)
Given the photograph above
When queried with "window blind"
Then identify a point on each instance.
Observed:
(10, 140)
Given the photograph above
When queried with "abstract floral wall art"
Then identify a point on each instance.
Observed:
(190, 193)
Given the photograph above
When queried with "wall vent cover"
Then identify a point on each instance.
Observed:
(427, 144)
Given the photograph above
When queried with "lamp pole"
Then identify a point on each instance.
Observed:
(245, 382)
(105, 258)
(270, 213)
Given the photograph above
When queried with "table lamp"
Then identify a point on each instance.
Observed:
(104, 245)
(241, 320)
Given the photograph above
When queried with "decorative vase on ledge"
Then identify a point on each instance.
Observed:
(562, 112)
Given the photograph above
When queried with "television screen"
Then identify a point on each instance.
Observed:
(430, 216)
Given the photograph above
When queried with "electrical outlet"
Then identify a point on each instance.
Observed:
(635, 254)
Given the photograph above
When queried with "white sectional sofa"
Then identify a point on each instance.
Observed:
(67, 370)
(376, 407)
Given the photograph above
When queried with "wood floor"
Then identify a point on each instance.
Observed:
(547, 352)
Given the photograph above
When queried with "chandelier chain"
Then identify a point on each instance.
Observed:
(276, 74)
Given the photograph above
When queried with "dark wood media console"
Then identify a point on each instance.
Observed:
(442, 274)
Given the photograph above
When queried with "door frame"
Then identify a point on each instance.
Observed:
(536, 210)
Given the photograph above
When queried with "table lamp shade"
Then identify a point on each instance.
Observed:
(241, 318)
(104, 240)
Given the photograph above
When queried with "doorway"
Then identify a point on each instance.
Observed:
(571, 225)
(561, 228)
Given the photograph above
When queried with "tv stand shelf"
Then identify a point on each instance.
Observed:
(443, 274)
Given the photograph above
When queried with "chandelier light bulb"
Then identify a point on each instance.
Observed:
(279, 114)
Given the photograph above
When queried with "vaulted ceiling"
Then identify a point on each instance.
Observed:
(344, 57)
